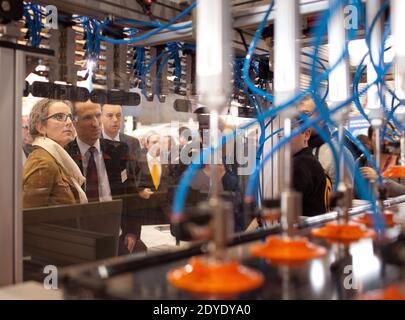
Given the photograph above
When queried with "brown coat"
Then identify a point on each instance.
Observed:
(45, 182)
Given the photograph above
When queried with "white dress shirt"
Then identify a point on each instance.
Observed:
(156, 160)
(104, 190)
(106, 136)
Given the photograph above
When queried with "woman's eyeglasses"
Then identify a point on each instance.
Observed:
(62, 117)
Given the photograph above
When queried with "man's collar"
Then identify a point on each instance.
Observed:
(151, 158)
(84, 147)
(106, 136)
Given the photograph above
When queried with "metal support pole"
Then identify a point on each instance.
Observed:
(213, 81)
(11, 64)
(339, 88)
(286, 85)
(373, 99)
(376, 114)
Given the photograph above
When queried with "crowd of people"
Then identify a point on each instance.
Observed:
(76, 153)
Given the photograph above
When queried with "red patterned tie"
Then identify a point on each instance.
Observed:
(92, 177)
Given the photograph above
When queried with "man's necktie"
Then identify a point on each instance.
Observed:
(92, 177)
(155, 174)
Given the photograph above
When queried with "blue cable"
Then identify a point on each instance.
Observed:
(148, 34)
(308, 123)
(151, 24)
(248, 58)
(262, 133)
(324, 68)
(366, 153)
(159, 71)
(34, 24)
(181, 192)
(148, 67)
(164, 62)
(362, 188)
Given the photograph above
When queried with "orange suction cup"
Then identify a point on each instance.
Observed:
(202, 276)
(390, 293)
(397, 172)
(368, 219)
(344, 233)
(287, 250)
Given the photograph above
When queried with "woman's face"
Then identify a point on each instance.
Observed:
(55, 128)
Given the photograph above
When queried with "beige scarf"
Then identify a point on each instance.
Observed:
(65, 161)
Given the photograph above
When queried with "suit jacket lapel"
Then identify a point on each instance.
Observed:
(146, 174)
(107, 156)
(74, 151)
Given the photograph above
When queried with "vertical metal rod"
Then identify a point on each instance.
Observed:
(288, 170)
(376, 114)
(373, 99)
(213, 83)
(339, 88)
(377, 146)
(341, 136)
(286, 84)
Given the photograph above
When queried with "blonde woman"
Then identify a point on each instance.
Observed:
(50, 175)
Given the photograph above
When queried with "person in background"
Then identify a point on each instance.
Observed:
(142, 142)
(50, 176)
(320, 149)
(388, 160)
(309, 177)
(365, 141)
(168, 144)
(228, 189)
(184, 136)
(111, 118)
(154, 182)
(185, 151)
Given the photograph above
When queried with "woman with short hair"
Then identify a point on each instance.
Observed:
(50, 175)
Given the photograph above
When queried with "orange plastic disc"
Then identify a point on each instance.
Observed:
(390, 293)
(287, 250)
(368, 219)
(342, 232)
(395, 172)
(202, 276)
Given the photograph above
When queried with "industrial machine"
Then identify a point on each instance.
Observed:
(243, 67)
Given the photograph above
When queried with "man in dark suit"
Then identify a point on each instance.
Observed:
(111, 118)
(154, 182)
(105, 165)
